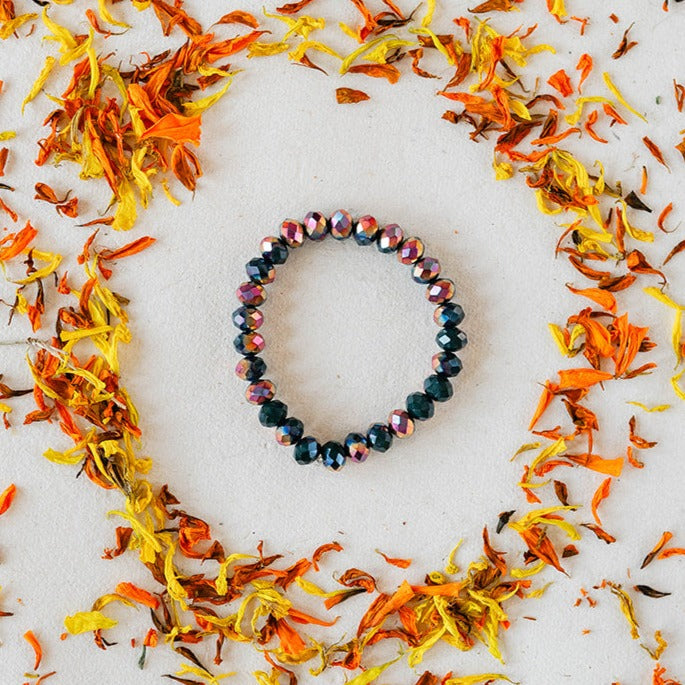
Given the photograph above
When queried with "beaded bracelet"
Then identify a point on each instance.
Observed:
(248, 318)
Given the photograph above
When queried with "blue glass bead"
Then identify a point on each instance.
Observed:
(341, 225)
(448, 315)
(365, 230)
(333, 455)
(446, 364)
(451, 339)
(260, 391)
(420, 406)
(356, 447)
(249, 343)
(440, 291)
(426, 270)
(379, 437)
(315, 226)
(273, 413)
(247, 318)
(438, 388)
(390, 238)
(290, 432)
(307, 450)
(250, 368)
(274, 250)
(411, 251)
(260, 271)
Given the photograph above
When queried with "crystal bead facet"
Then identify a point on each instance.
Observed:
(356, 447)
(247, 318)
(365, 230)
(260, 392)
(307, 450)
(379, 437)
(250, 368)
(315, 226)
(438, 388)
(448, 315)
(333, 455)
(390, 238)
(426, 270)
(273, 413)
(274, 249)
(341, 225)
(400, 423)
(446, 364)
(289, 432)
(260, 271)
(411, 251)
(292, 232)
(451, 339)
(249, 343)
(440, 291)
(420, 406)
(251, 294)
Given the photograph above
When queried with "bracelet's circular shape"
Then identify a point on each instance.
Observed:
(420, 406)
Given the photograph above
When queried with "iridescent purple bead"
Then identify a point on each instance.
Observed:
(274, 250)
(341, 225)
(446, 364)
(390, 238)
(400, 423)
(260, 392)
(289, 432)
(250, 368)
(251, 294)
(333, 455)
(249, 343)
(448, 315)
(410, 251)
(292, 232)
(356, 447)
(440, 291)
(426, 270)
(247, 318)
(365, 230)
(259, 270)
(315, 226)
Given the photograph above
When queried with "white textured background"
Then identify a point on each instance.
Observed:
(348, 337)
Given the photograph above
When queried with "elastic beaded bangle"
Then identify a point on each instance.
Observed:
(420, 406)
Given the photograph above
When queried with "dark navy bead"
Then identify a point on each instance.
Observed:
(247, 318)
(379, 437)
(446, 364)
(273, 413)
(451, 339)
(307, 450)
(448, 315)
(290, 432)
(274, 249)
(333, 455)
(420, 406)
(341, 225)
(250, 368)
(249, 343)
(438, 388)
(356, 446)
(365, 230)
(259, 270)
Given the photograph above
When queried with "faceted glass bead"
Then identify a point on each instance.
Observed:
(260, 271)
(249, 343)
(426, 270)
(410, 251)
(260, 392)
(273, 413)
(446, 364)
(250, 368)
(390, 238)
(379, 437)
(420, 406)
(356, 447)
(307, 450)
(366, 230)
(440, 291)
(333, 455)
(292, 232)
(315, 226)
(247, 318)
(290, 432)
(251, 294)
(438, 388)
(448, 315)
(274, 250)
(341, 225)
(401, 423)
(451, 339)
